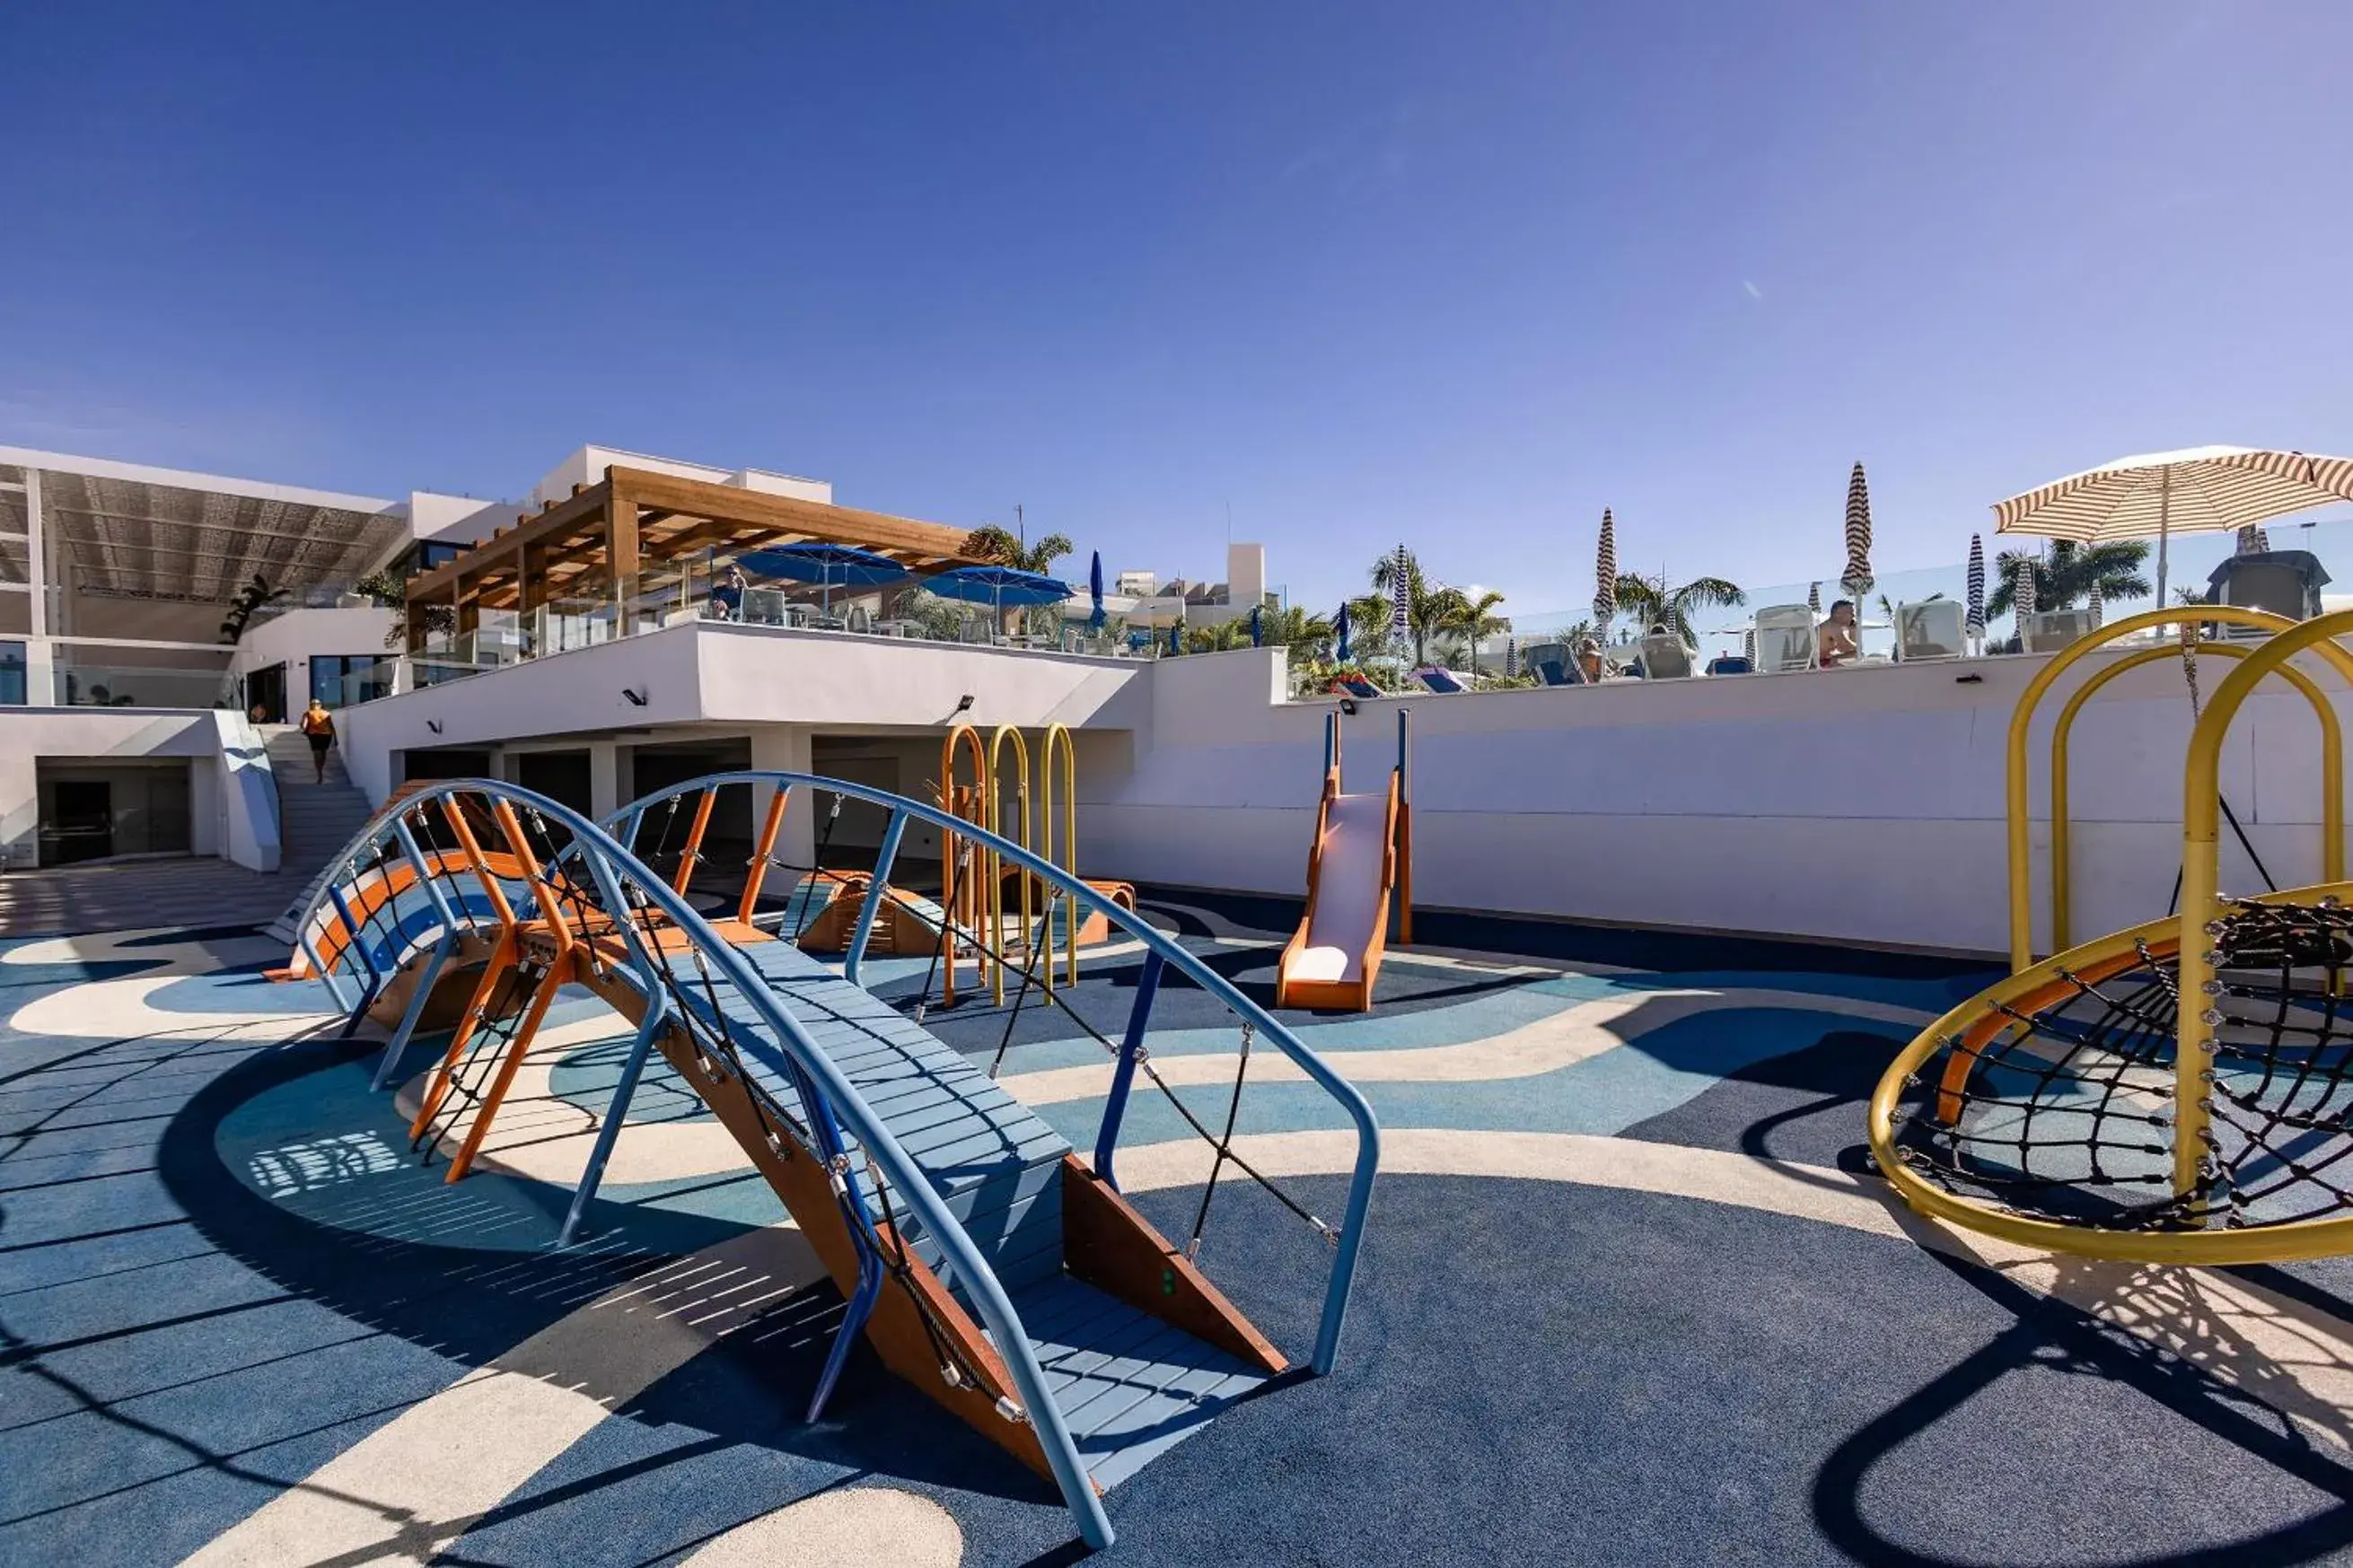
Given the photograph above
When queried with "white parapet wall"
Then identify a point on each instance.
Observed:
(1861, 805)
(705, 676)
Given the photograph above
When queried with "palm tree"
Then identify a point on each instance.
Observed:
(1431, 608)
(1656, 602)
(1004, 547)
(1218, 636)
(1300, 631)
(1476, 618)
(248, 603)
(1001, 545)
(2064, 577)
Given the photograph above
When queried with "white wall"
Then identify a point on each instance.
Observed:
(245, 796)
(1859, 805)
(587, 465)
(740, 678)
(231, 812)
(775, 674)
(293, 635)
(1862, 805)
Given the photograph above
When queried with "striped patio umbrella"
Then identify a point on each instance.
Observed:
(2252, 541)
(1814, 598)
(1605, 578)
(1974, 622)
(2022, 595)
(2099, 605)
(1401, 598)
(1858, 538)
(2199, 490)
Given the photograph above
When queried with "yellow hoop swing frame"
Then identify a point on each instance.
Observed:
(2022, 721)
(2185, 933)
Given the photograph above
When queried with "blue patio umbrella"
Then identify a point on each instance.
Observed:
(1175, 627)
(1094, 590)
(1254, 626)
(999, 587)
(1341, 628)
(823, 564)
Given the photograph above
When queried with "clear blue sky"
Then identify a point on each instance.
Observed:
(1457, 274)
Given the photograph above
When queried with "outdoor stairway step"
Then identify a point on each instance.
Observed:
(315, 819)
(1131, 1385)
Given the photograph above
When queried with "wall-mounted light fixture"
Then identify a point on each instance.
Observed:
(434, 725)
(636, 699)
(1348, 706)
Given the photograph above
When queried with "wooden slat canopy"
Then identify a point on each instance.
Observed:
(603, 533)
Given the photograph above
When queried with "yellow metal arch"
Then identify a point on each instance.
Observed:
(993, 802)
(1058, 744)
(2201, 797)
(2332, 771)
(2021, 719)
(962, 740)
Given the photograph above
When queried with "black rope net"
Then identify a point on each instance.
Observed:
(2063, 1109)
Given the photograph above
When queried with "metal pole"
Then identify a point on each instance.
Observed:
(2164, 525)
(632, 1067)
(443, 946)
(1123, 1078)
(876, 891)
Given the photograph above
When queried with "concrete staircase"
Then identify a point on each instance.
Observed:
(315, 819)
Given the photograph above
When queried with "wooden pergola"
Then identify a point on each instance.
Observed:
(594, 544)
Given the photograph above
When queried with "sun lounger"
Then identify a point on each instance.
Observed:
(1788, 637)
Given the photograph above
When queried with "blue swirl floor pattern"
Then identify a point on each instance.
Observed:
(1624, 1298)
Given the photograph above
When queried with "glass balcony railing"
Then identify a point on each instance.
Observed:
(128, 686)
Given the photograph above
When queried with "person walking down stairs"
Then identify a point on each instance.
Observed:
(319, 729)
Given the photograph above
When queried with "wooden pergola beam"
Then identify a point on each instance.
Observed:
(609, 532)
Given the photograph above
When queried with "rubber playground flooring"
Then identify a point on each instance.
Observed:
(1629, 1295)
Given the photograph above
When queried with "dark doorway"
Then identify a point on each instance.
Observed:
(453, 762)
(265, 695)
(559, 775)
(81, 821)
(727, 838)
(659, 767)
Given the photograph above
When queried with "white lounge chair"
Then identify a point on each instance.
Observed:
(1665, 658)
(1932, 629)
(2048, 631)
(1788, 637)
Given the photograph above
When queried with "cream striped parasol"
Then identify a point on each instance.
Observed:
(1974, 623)
(1857, 580)
(2199, 489)
(1605, 578)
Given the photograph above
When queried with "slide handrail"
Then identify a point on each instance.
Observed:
(608, 862)
(1170, 953)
